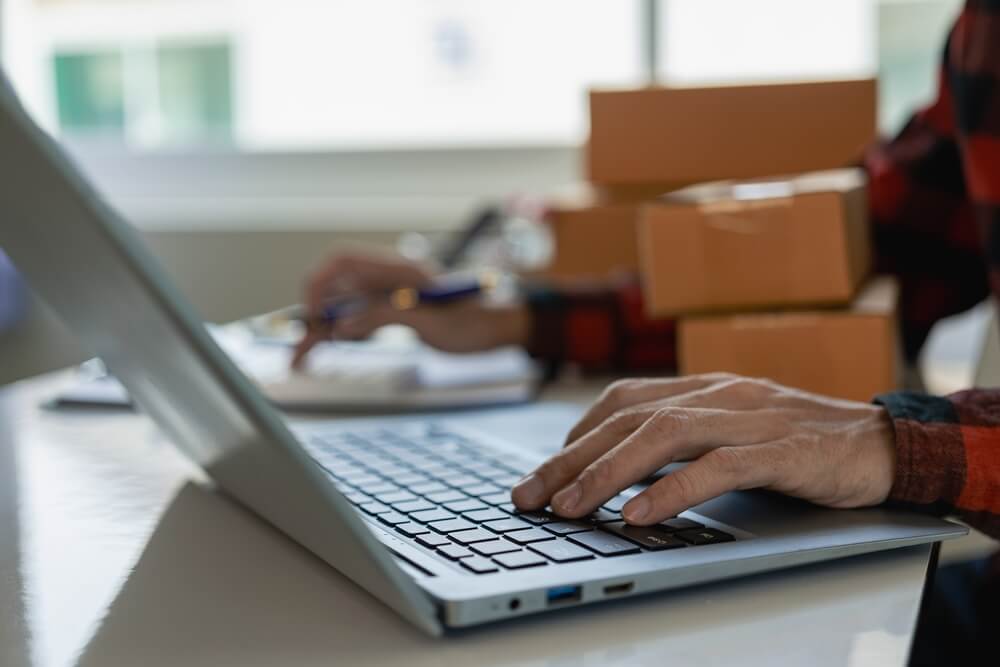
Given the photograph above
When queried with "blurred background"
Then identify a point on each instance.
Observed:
(247, 138)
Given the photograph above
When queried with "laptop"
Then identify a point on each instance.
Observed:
(415, 512)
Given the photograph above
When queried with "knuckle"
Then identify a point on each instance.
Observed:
(601, 473)
(618, 392)
(553, 470)
(726, 460)
(671, 422)
(684, 488)
(619, 421)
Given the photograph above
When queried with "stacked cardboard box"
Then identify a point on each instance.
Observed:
(766, 272)
(649, 141)
(769, 277)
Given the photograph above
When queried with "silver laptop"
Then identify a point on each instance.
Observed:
(417, 513)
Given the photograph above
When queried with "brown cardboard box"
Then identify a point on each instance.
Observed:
(850, 353)
(690, 135)
(594, 230)
(593, 240)
(752, 245)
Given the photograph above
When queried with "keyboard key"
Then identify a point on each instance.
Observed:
(537, 518)
(410, 506)
(374, 508)
(428, 487)
(356, 497)
(393, 518)
(342, 487)
(451, 526)
(384, 487)
(496, 498)
(529, 536)
(617, 503)
(567, 527)
(521, 559)
(561, 551)
(409, 480)
(472, 536)
(700, 536)
(604, 516)
(454, 552)
(485, 470)
(432, 540)
(506, 525)
(489, 514)
(481, 489)
(604, 543)
(453, 476)
(432, 515)
(462, 481)
(479, 565)
(680, 523)
(395, 497)
(361, 481)
(466, 505)
(411, 529)
(651, 538)
(494, 547)
(448, 496)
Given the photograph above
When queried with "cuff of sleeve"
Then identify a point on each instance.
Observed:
(930, 456)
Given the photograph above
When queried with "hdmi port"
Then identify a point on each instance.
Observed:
(618, 589)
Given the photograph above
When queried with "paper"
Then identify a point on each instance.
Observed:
(390, 372)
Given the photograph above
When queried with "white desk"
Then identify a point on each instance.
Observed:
(109, 556)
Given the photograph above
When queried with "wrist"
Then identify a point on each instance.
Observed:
(511, 325)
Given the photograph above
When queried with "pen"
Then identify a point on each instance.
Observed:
(444, 291)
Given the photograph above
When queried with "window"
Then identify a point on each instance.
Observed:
(401, 112)
(90, 92)
(315, 74)
(170, 94)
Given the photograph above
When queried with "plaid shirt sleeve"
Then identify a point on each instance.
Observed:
(599, 328)
(936, 205)
(948, 454)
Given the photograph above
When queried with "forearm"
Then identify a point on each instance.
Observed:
(948, 454)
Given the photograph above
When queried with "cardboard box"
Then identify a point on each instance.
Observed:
(593, 240)
(754, 245)
(851, 353)
(594, 230)
(692, 135)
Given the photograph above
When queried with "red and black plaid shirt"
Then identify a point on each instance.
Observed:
(935, 204)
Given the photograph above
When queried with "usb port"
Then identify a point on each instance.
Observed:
(619, 589)
(563, 595)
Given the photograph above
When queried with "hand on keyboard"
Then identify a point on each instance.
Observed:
(448, 496)
(737, 433)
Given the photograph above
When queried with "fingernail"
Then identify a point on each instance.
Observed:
(568, 497)
(636, 509)
(529, 489)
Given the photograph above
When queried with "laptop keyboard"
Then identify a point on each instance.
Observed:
(450, 496)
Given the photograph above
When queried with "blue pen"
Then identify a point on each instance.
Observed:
(446, 290)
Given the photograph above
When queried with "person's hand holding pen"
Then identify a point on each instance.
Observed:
(351, 295)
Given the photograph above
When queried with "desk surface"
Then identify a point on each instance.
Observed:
(109, 555)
